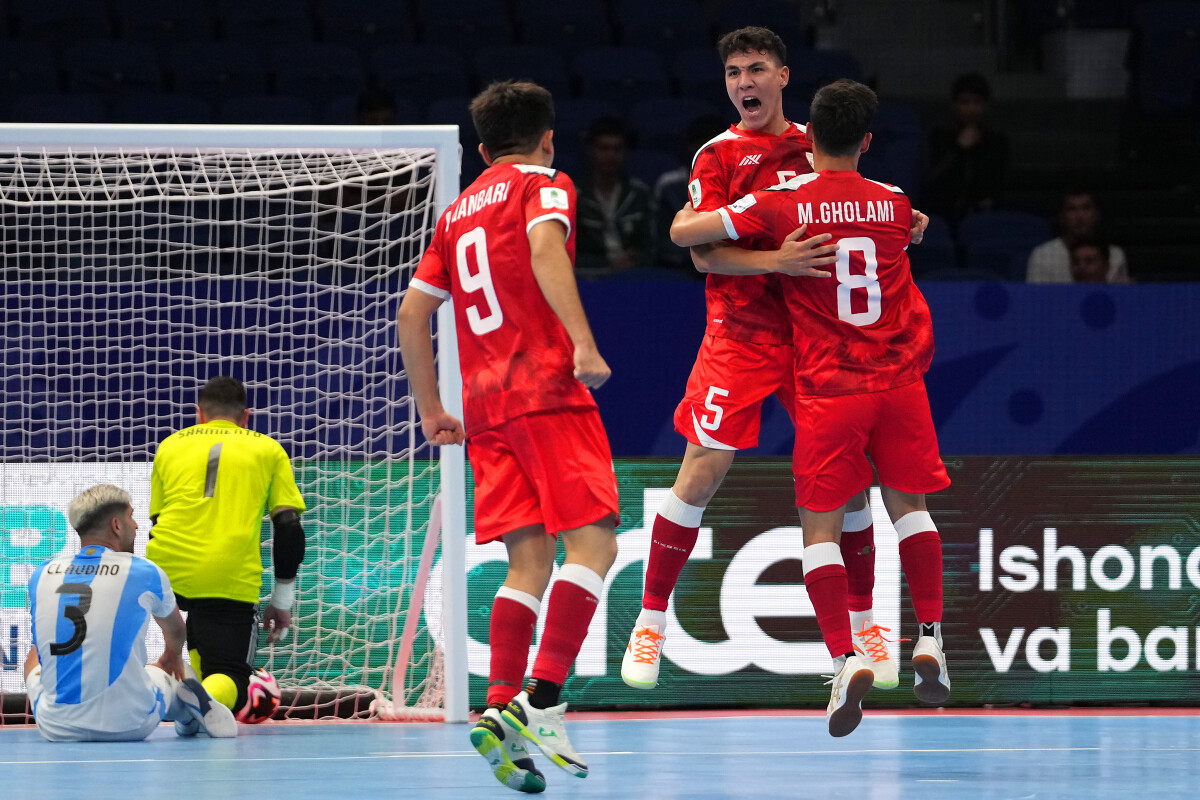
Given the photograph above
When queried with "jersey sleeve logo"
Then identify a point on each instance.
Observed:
(555, 198)
(741, 205)
(694, 192)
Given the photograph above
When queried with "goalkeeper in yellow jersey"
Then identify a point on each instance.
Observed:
(210, 487)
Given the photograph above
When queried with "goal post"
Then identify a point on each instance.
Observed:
(139, 260)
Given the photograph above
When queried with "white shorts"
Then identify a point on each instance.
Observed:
(55, 725)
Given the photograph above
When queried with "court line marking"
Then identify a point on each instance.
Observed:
(471, 754)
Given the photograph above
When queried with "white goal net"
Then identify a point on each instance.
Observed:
(140, 261)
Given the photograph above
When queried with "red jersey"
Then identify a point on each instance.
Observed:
(515, 355)
(867, 328)
(748, 308)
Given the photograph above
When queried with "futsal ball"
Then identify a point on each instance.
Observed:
(262, 698)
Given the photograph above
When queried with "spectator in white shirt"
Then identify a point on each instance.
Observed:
(1078, 219)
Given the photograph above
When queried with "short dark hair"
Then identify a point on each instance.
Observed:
(511, 116)
(970, 83)
(607, 126)
(752, 40)
(1089, 241)
(223, 396)
(840, 116)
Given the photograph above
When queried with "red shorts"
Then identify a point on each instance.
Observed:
(834, 436)
(722, 408)
(552, 468)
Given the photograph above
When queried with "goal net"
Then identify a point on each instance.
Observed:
(138, 262)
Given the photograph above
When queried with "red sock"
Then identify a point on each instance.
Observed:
(514, 616)
(671, 541)
(573, 601)
(858, 554)
(921, 559)
(825, 579)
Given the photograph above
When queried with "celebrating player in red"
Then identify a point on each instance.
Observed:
(504, 253)
(746, 355)
(863, 342)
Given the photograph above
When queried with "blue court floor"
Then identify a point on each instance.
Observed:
(640, 756)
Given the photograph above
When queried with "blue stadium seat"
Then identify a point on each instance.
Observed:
(61, 21)
(161, 107)
(472, 25)
(366, 22)
(104, 66)
(572, 118)
(267, 110)
(936, 251)
(343, 110)
(1167, 65)
(56, 107)
(26, 66)
(215, 70)
(812, 69)
(700, 75)
(265, 21)
(539, 63)
(317, 71)
(962, 274)
(621, 74)
(781, 16)
(1000, 240)
(660, 122)
(896, 151)
(566, 26)
(666, 27)
(421, 73)
(648, 164)
(156, 22)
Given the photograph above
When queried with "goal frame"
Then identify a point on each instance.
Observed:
(447, 169)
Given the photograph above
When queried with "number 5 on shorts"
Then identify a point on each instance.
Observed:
(715, 422)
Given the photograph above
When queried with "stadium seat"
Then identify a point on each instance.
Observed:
(666, 27)
(155, 22)
(27, 65)
(61, 21)
(108, 67)
(1000, 240)
(1167, 60)
(267, 110)
(472, 25)
(56, 107)
(365, 22)
(421, 73)
(317, 71)
(812, 69)
(265, 21)
(961, 274)
(539, 63)
(565, 26)
(660, 122)
(648, 164)
(215, 70)
(343, 110)
(620, 74)
(895, 155)
(572, 118)
(781, 16)
(699, 75)
(936, 251)
(161, 107)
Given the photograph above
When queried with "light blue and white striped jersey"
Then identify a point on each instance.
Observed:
(90, 613)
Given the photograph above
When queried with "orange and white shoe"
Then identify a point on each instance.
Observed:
(643, 655)
(872, 644)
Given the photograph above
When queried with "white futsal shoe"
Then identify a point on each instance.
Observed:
(502, 746)
(546, 727)
(643, 656)
(213, 718)
(850, 686)
(872, 645)
(932, 682)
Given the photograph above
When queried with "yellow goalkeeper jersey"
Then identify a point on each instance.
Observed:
(210, 487)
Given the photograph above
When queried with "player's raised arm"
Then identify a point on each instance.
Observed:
(556, 278)
(416, 349)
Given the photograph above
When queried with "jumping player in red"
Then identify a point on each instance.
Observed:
(863, 342)
(504, 253)
(746, 355)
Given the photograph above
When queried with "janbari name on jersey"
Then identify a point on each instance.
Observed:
(515, 355)
(868, 327)
(748, 308)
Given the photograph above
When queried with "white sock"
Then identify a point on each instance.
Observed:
(861, 619)
(650, 616)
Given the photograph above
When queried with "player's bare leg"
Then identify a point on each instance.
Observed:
(514, 617)
(858, 554)
(825, 579)
(671, 542)
(921, 559)
(536, 712)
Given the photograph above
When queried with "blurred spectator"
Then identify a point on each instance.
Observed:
(1089, 261)
(616, 211)
(968, 161)
(1078, 220)
(377, 107)
(670, 191)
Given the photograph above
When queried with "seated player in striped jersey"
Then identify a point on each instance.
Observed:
(863, 342)
(86, 675)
